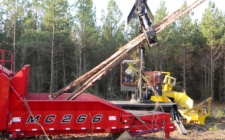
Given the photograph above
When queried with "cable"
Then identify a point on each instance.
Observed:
(29, 110)
(146, 124)
(154, 91)
(92, 125)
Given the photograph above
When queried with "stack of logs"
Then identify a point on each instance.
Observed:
(103, 68)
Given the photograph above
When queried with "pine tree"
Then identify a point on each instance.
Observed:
(56, 31)
(157, 53)
(85, 33)
(13, 13)
(210, 27)
(185, 42)
(112, 36)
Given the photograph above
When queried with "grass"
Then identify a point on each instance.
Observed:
(213, 128)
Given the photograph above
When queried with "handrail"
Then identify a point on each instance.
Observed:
(3, 59)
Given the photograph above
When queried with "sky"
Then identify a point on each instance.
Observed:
(172, 5)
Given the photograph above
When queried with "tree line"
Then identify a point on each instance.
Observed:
(61, 41)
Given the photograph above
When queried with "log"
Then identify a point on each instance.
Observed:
(133, 45)
(120, 52)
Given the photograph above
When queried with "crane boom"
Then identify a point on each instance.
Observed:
(97, 72)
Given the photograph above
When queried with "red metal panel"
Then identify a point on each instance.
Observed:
(80, 116)
(67, 116)
(4, 100)
(155, 122)
(19, 84)
(20, 81)
(85, 117)
(6, 71)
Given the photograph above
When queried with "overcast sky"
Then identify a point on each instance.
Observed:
(172, 5)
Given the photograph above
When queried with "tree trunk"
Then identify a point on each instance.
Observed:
(205, 81)
(211, 73)
(14, 37)
(220, 86)
(223, 85)
(64, 70)
(160, 57)
(223, 79)
(80, 61)
(52, 86)
(184, 68)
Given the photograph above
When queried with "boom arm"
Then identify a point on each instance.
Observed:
(107, 65)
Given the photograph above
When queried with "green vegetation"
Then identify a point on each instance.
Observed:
(218, 113)
(62, 41)
(213, 128)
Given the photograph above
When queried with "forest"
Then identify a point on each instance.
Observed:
(61, 41)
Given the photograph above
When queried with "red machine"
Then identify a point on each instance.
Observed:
(30, 114)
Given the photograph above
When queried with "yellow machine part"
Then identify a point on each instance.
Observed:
(160, 99)
(181, 98)
(197, 114)
(191, 113)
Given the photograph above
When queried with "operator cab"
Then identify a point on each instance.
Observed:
(129, 77)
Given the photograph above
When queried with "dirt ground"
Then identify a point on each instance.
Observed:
(214, 129)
